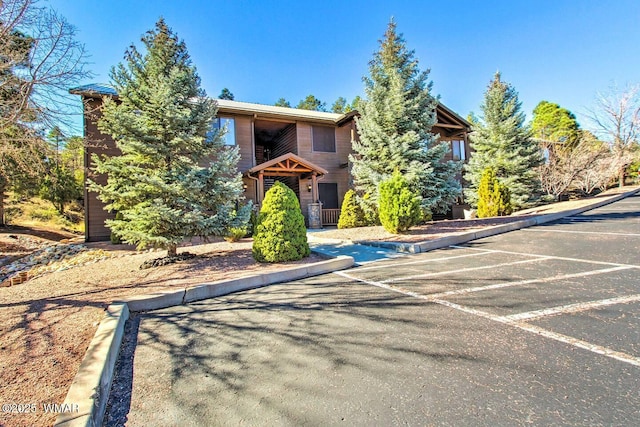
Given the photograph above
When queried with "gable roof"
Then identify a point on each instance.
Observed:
(272, 111)
(288, 164)
(94, 89)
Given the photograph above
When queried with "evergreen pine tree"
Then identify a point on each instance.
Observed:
(281, 102)
(395, 130)
(175, 178)
(226, 94)
(502, 142)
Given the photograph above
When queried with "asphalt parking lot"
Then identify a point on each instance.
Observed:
(536, 327)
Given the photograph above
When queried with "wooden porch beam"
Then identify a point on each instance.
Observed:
(447, 125)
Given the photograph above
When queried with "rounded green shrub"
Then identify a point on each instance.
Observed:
(280, 234)
(351, 214)
(399, 207)
(494, 198)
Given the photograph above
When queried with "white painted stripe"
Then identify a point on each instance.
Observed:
(594, 348)
(588, 261)
(540, 230)
(571, 308)
(462, 270)
(526, 282)
(604, 351)
(382, 285)
(400, 264)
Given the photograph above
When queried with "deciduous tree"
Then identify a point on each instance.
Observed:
(566, 166)
(40, 59)
(616, 119)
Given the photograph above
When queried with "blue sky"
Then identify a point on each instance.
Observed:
(560, 51)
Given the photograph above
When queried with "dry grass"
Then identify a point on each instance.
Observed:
(38, 213)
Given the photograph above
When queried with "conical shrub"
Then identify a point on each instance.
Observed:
(351, 214)
(280, 233)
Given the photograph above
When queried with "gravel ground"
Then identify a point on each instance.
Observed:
(46, 323)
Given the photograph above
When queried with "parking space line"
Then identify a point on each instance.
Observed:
(526, 282)
(571, 308)
(382, 285)
(594, 348)
(604, 351)
(400, 264)
(462, 270)
(540, 230)
(588, 261)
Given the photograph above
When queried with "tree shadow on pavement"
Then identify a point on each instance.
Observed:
(249, 349)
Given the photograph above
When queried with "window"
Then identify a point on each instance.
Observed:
(457, 148)
(324, 139)
(229, 124)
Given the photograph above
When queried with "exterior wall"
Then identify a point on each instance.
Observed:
(296, 138)
(286, 142)
(96, 142)
(334, 163)
(244, 140)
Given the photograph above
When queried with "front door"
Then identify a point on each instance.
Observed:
(328, 195)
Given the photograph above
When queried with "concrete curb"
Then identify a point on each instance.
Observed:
(87, 397)
(492, 231)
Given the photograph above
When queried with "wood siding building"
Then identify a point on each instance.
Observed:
(306, 150)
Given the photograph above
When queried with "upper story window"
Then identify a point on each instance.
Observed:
(229, 137)
(457, 148)
(324, 138)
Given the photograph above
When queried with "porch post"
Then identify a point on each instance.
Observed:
(314, 187)
(260, 188)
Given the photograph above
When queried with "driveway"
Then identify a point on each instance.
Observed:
(536, 327)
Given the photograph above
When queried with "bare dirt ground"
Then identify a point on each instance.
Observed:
(46, 323)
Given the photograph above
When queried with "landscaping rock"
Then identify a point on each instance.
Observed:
(158, 262)
(46, 258)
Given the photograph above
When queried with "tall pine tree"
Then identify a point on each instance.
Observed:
(175, 178)
(395, 130)
(501, 141)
